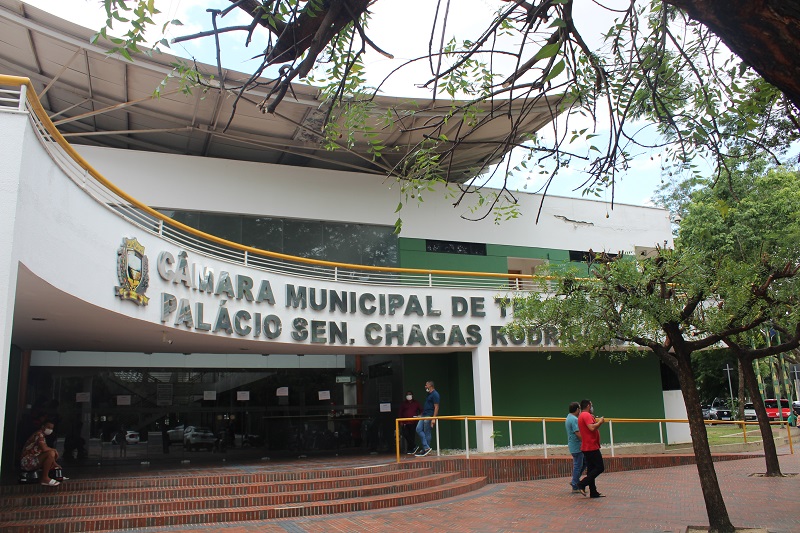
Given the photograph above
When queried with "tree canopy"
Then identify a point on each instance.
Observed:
(717, 80)
(734, 274)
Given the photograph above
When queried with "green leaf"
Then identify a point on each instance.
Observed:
(557, 69)
(548, 50)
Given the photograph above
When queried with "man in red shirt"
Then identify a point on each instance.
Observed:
(589, 426)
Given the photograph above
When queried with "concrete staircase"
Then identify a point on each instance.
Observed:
(193, 497)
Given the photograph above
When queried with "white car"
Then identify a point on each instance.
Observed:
(195, 437)
(131, 437)
(749, 412)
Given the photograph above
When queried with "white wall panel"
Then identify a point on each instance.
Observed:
(675, 408)
(205, 184)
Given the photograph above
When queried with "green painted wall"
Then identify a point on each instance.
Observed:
(452, 375)
(534, 383)
(544, 383)
(413, 255)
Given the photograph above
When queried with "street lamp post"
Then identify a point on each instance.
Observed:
(728, 368)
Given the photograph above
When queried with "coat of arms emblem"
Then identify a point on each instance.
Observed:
(132, 272)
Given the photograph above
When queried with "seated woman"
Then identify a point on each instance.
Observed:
(37, 454)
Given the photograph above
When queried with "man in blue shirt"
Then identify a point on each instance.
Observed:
(431, 408)
(574, 444)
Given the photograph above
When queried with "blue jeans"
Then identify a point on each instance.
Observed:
(424, 432)
(577, 468)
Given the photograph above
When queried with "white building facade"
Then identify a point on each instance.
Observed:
(117, 318)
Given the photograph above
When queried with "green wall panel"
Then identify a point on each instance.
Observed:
(438, 261)
(544, 383)
(528, 253)
(413, 255)
(452, 374)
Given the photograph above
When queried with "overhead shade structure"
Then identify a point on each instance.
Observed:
(104, 100)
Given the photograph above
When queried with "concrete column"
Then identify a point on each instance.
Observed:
(12, 133)
(482, 381)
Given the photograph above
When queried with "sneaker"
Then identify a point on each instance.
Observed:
(412, 452)
(423, 453)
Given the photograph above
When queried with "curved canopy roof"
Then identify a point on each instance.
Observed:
(104, 100)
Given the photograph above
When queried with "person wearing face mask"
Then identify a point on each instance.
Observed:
(37, 454)
(408, 409)
(424, 426)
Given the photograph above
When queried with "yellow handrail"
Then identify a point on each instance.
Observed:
(40, 112)
(544, 419)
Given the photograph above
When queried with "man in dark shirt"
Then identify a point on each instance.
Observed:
(431, 408)
(408, 409)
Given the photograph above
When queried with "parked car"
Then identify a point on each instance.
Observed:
(176, 434)
(198, 437)
(749, 412)
(772, 408)
(131, 437)
(720, 410)
(796, 407)
(706, 412)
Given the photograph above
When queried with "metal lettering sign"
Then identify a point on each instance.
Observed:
(132, 272)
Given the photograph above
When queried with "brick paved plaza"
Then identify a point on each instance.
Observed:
(645, 501)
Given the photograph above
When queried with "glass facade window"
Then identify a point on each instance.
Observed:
(143, 414)
(578, 256)
(227, 227)
(303, 238)
(263, 232)
(361, 244)
(454, 247)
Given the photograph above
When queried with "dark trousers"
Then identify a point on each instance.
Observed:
(409, 432)
(594, 467)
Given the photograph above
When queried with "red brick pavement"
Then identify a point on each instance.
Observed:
(646, 501)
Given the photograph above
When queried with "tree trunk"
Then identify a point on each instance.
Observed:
(765, 34)
(770, 452)
(718, 519)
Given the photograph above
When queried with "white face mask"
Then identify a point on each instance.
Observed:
(48, 431)
(408, 396)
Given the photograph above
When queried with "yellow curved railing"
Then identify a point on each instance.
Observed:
(512, 281)
(544, 420)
